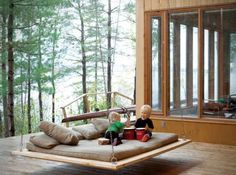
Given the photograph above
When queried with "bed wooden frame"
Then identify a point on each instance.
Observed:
(101, 164)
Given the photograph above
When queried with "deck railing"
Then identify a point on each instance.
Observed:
(86, 102)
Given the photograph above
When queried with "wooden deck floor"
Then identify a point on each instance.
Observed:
(193, 159)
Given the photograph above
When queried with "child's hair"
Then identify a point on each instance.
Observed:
(112, 116)
(147, 109)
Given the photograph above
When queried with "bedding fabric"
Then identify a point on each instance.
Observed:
(44, 141)
(100, 124)
(59, 133)
(88, 131)
(90, 149)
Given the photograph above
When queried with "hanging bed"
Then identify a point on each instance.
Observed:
(80, 146)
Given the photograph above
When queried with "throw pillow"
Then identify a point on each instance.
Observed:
(100, 124)
(88, 131)
(60, 133)
(44, 141)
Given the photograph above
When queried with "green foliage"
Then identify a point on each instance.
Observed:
(47, 40)
(21, 120)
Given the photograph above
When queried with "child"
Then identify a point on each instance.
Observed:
(116, 127)
(145, 122)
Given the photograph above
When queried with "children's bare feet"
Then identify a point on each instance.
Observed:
(115, 141)
(145, 138)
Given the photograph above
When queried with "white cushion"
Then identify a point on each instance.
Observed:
(88, 131)
(100, 124)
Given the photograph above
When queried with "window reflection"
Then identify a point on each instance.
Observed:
(156, 65)
(219, 63)
(183, 64)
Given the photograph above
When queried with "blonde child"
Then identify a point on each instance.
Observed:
(116, 127)
(145, 122)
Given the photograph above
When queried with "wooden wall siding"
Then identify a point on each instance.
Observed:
(200, 63)
(213, 131)
(199, 131)
(147, 4)
(166, 68)
(169, 4)
(160, 76)
(139, 54)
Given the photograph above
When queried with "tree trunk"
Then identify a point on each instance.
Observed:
(53, 75)
(22, 94)
(39, 74)
(40, 101)
(103, 67)
(4, 73)
(0, 124)
(109, 55)
(84, 74)
(10, 71)
(29, 95)
(96, 56)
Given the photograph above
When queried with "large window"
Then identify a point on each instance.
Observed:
(156, 64)
(183, 63)
(191, 62)
(219, 63)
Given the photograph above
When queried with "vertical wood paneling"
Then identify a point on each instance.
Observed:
(139, 54)
(172, 3)
(200, 62)
(166, 4)
(155, 4)
(147, 5)
(199, 131)
(147, 59)
(165, 58)
(179, 3)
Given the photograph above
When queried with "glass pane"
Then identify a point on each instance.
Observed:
(156, 65)
(183, 64)
(220, 63)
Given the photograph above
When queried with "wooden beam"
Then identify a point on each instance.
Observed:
(65, 116)
(148, 58)
(165, 64)
(97, 114)
(200, 62)
(160, 64)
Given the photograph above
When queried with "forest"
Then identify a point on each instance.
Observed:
(53, 51)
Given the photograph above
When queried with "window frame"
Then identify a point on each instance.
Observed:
(164, 15)
(148, 59)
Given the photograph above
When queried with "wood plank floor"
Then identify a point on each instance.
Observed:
(192, 159)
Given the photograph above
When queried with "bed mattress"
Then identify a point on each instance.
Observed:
(90, 149)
